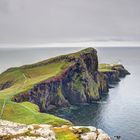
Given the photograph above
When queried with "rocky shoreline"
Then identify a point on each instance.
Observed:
(15, 131)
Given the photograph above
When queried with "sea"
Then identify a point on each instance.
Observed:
(118, 112)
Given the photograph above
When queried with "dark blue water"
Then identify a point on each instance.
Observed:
(119, 112)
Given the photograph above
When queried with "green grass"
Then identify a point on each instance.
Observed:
(33, 75)
(106, 67)
(65, 134)
(28, 113)
(22, 79)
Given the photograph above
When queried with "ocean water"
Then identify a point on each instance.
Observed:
(118, 113)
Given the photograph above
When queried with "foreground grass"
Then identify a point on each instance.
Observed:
(28, 113)
(65, 134)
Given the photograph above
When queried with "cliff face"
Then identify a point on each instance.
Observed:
(79, 83)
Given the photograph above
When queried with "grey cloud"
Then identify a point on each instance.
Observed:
(69, 20)
(3, 6)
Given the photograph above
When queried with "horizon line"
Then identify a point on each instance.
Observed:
(73, 44)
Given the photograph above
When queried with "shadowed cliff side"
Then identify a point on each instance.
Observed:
(81, 82)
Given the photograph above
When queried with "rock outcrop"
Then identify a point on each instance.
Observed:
(5, 85)
(80, 83)
(113, 73)
(15, 131)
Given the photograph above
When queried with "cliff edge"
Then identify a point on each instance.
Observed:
(80, 82)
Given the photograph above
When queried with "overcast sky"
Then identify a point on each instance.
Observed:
(69, 20)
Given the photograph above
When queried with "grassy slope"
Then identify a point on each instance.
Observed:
(106, 67)
(23, 78)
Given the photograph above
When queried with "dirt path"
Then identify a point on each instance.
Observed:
(2, 110)
(4, 102)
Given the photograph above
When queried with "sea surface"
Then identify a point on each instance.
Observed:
(118, 113)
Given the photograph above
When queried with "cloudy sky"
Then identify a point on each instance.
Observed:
(46, 21)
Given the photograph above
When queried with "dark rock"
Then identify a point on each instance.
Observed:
(50, 107)
(112, 76)
(121, 70)
(117, 137)
(5, 85)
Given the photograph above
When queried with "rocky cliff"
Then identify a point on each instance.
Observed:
(81, 82)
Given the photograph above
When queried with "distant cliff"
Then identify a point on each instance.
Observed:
(113, 73)
(80, 82)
